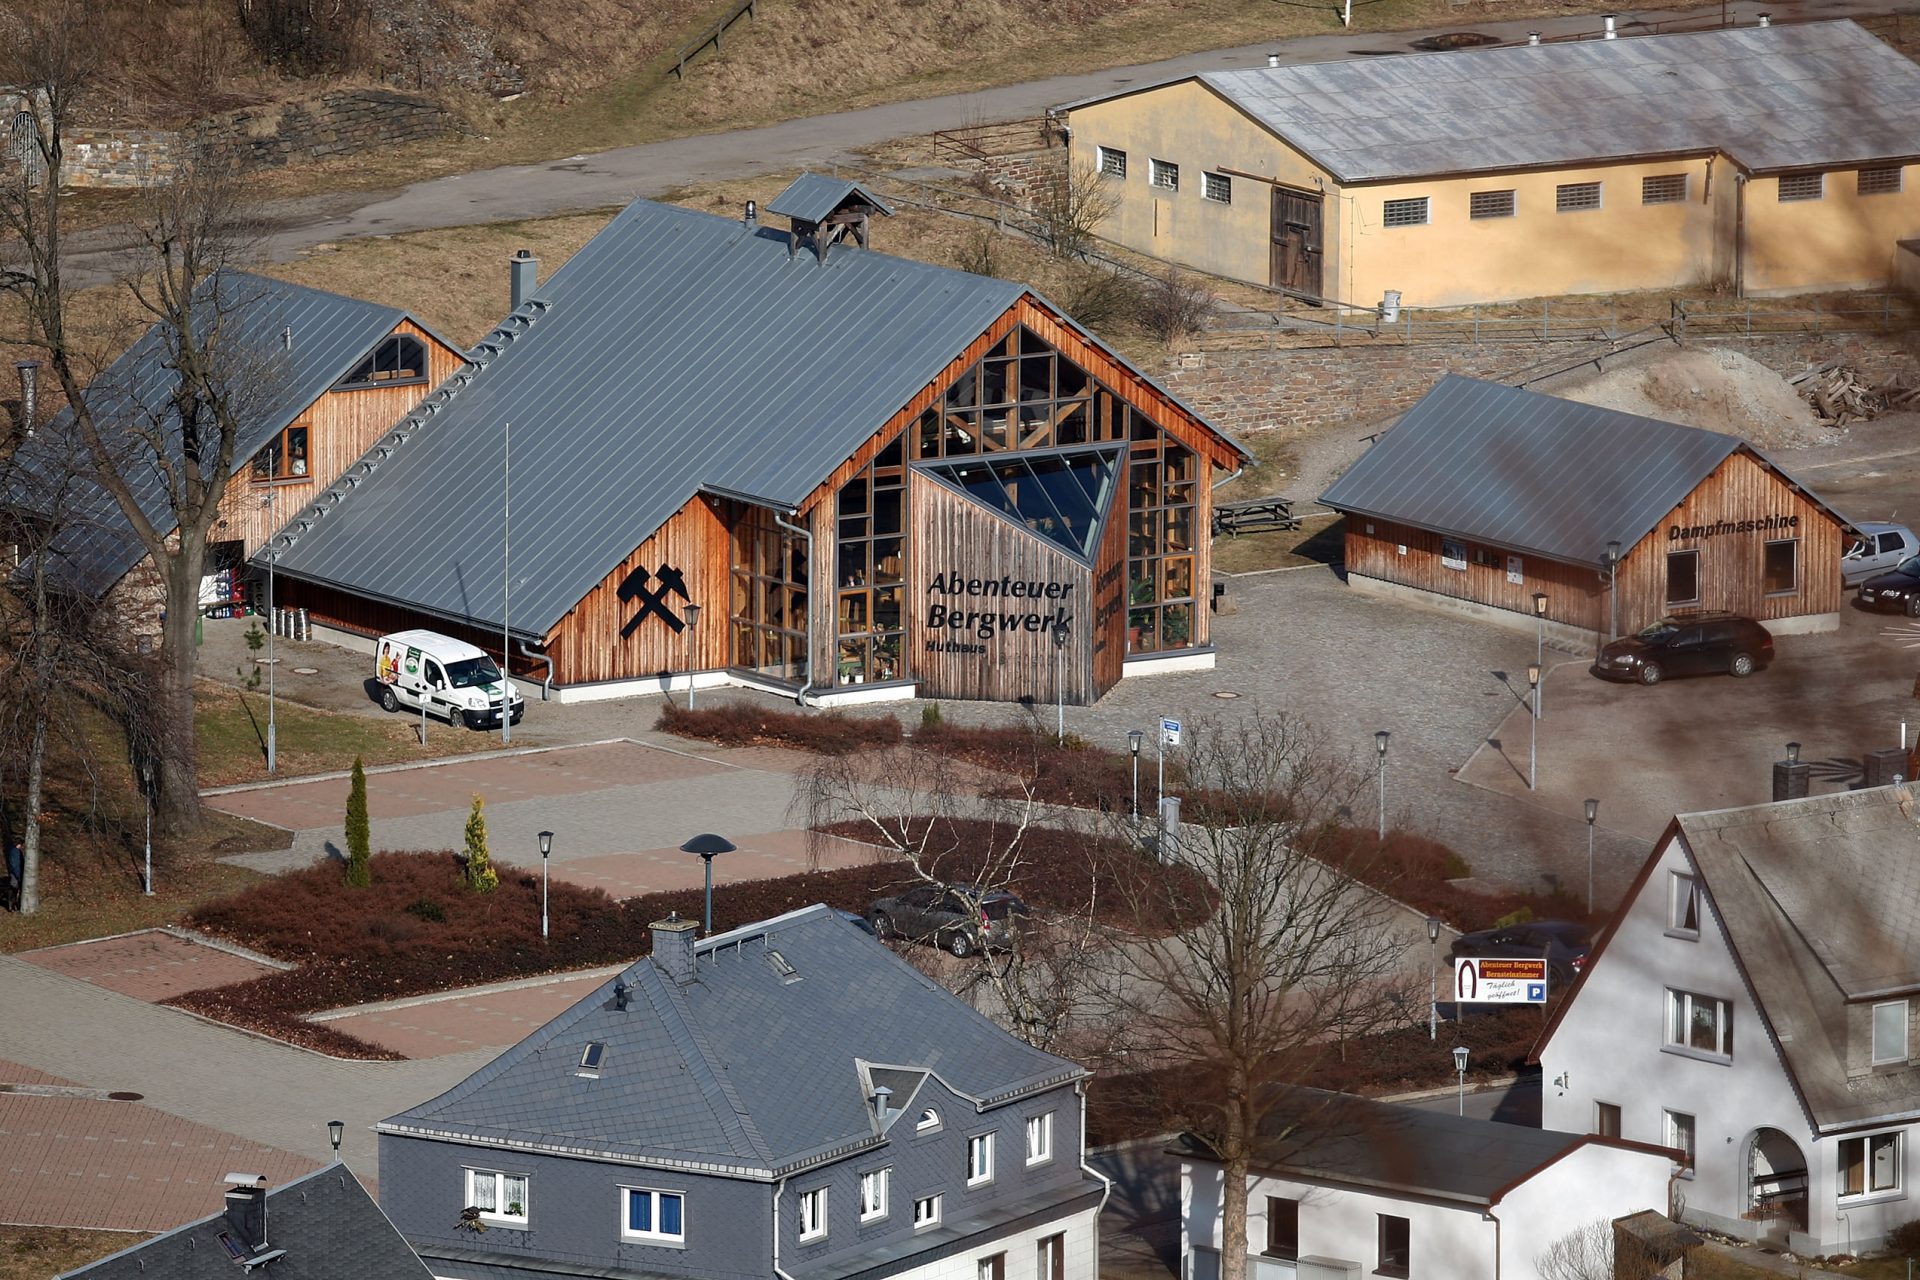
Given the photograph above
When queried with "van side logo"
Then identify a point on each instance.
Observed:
(653, 601)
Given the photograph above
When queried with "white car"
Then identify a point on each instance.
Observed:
(445, 676)
(1879, 549)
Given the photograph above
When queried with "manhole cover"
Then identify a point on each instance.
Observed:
(121, 1095)
(1226, 694)
(1455, 40)
(306, 671)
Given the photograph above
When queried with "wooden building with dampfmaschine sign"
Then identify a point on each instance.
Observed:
(1483, 495)
(715, 451)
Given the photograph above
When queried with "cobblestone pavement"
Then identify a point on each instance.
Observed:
(150, 965)
(495, 1017)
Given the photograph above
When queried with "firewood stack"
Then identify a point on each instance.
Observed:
(1840, 394)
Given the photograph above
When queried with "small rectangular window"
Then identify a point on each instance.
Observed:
(1283, 1228)
(1879, 182)
(1802, 186)
(1703, 1024)
(284, 458)
(1404, 213)
(1683, 905)
(1163, 174)
(1113, 162)
(926, 1212)
(993, 1267)
(1890, 1032)
(591, 1057)
(1050, 1258)
(979, 1159)
(654, 1215)
(1574, 197)
(873, 1194)
(1683, 577)
(1780, 569)
(1217, 187)
(1490, 204)
(1606, 1119)
(813, 1213)
(1453, 554)
(1664, 188)
(1678, 1126)
(1869, 1166)
(1395, 1246)
(1040, 1138)
(499, 1197)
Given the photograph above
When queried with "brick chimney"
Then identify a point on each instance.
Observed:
(247, 1209)
(673, 947)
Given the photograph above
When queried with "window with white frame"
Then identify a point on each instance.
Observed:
(1576, 197)
(1802, 186)
(500, 1197)
(1878, 182)
(1217, 187)
(1113, 162)
(1163, 174)
(873, 1194)
(1699, 1024)
(1683, 905)
(1411, 212)
(653, 1215)
(926, 1212)
(993, 1267)
(813, 1213)
(1040, 1138)
(1869, 1166)
(929, 1120)
(1678, 1134)
(1890, 1032)
(979, 1159)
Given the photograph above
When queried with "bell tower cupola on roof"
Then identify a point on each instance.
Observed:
(823, 211)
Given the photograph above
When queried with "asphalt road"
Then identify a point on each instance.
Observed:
(615, 177)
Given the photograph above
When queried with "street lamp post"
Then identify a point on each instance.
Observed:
(273, 620)
(546, 851)
(1593, 812)
(336, 1129)
(1460, 1068)
(1060, 638)
(1380, 746)
(1533, 714)
(1433, 977)
(693, 620)
(146, 794)
(1613, 596)
(1133, 746)
(1540, 637)
(708, 846)
(506, 583)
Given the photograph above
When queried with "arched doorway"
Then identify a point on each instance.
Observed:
(1776, 1185)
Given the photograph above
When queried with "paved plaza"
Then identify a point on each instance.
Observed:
(149, 965)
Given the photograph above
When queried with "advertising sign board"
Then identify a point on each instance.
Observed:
(1499, 980)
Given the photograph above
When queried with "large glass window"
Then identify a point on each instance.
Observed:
(1060, 496)
(399, 358)
(870, 568)
(768, 608)
(1162, 492)
(1870, 1165)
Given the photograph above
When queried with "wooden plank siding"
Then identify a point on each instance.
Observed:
(341, 427)
(1742, 488)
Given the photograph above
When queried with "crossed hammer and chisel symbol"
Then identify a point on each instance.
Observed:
(654, 601)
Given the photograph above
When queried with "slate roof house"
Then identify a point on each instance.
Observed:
(323, 1226)
(1345, 1186)
(786, 1101)
(1768, 160)
(1752, 1005)
(314, 378)
(872, 476)
(1482, 495)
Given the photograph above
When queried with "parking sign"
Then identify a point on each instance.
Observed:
(1169, 733)
(1491, 980)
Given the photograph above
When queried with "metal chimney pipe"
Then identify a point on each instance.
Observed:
(1607, 22)
(523, 270)
(1533, 37)
(1273, 59)
(751, 217)
(29, 371)
(1766, 19)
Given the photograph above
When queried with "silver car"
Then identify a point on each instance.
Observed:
(1879, 548)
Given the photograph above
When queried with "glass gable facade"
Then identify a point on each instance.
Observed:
(1060, 496)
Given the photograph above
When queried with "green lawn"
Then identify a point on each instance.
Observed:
(232, 728)
(34, 1253)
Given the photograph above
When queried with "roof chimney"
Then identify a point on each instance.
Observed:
(1766, 19)
(673, 947)
(1273, 59)
(881, 1096)
(751, 218)
(1607, 21)
(1533, 37)
(523, 268)
(247, 1209)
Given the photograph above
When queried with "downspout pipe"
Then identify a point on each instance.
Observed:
(777, 1193)
(1739, 235)
(800, 698)
(546, 685)
(1494, 1218)
(1106, 1183)
(1230, 476)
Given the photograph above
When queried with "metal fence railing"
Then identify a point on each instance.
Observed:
(983, 141)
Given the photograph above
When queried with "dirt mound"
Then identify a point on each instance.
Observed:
(1718, 390)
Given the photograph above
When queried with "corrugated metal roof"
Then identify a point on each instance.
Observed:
(676, 351)
(272, 383)
(1811, 95)
(812, 196)
(1528, 472)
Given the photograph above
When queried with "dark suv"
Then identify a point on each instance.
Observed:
(944, 917)
(1690, 644)
(1895, 591)
(1562, 942)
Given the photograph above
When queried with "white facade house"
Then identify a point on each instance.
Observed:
(1365, 1188)
(1751, 1005)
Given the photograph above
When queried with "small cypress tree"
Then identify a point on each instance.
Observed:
(481, 877)
(359, 874)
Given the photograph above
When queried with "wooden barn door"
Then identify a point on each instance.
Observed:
(1296, 255)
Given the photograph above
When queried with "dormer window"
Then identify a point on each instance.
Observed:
(590, 1059)
(929, 1121)
(399, 358)
(1889, 1032)
(284, 458)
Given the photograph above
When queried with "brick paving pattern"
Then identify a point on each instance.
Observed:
(148, 966)
(761, 856)
(496, 1019)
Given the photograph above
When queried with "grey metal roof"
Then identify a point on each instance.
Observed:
(1355, 1141)
(740, 1071)
(328, 1225)
(1528, 472)
(1810, 95)
(676, 351)
(1819, 900)
(812, 196)
(271, 383)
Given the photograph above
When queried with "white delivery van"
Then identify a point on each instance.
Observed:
(448, 677)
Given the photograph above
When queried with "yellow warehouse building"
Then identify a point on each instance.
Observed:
(1767, 160)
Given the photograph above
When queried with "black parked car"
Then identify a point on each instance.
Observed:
(944, 917)
(1562, 942)
(1690, 644)
(1896, 591)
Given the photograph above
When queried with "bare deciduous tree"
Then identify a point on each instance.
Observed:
(1175, 305)
(1296, 955)
(1071, 208)
(1595, 1251)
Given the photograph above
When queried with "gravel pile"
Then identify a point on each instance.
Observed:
(1715, 389)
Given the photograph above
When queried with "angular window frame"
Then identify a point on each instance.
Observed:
(386, 364)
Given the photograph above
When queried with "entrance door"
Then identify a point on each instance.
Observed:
(1295, 264)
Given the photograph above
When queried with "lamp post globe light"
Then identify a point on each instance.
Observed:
(1540, 642)
(692, 613)
(708, 846)
(1433, 977)
(1060, 639)
(146, 794)
(1793, 753)
(1533, 716)
(1460, 1069)
(1134, 738)
(1613, 596)
(1380, 746)
(546, 852)
(1593, 812)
